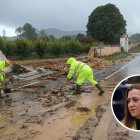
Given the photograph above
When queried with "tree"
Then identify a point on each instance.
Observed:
(29, 31)
(106, 24)
(84, 39)
(19, 31)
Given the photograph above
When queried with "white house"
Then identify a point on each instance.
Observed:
(124, 42)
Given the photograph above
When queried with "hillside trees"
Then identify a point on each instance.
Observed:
(106, 24)
(31, 43)
(135, 37)
(19, 31)
(27, 31)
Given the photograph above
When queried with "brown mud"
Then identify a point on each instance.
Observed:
(42, 106)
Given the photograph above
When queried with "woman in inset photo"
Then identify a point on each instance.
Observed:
(132, 108)
(126, 102)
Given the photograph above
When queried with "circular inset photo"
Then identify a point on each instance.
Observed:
(125, 102)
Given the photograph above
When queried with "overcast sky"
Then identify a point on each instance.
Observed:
(66, 15)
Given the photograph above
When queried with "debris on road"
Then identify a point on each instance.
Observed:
(43, 97)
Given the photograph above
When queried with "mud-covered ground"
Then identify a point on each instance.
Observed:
(42, 105)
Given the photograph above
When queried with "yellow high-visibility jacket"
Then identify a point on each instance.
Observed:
(134, 126)
(2, 68)
(82, 71)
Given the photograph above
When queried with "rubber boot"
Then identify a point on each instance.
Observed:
(100, 88)
(77, 89)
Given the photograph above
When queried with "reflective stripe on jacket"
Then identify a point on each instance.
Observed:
(74, 68)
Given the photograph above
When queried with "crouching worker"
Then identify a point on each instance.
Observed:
(82, 71)
(3, 67)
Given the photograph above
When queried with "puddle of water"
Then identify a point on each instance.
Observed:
(90, 101)
(7, 128)
(58, 127)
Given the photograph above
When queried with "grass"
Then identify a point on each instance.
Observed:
(135, 49)
(116, 56)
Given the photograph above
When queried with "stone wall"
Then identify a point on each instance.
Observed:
(107, 50)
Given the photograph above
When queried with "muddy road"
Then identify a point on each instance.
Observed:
(42, 106)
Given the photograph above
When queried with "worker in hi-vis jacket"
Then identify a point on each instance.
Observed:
(83, 72)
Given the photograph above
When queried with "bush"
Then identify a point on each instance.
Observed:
(40, 47)
(73, 47)
(23, 48)
(56, 47)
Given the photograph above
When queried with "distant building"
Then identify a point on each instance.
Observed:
(124, 42)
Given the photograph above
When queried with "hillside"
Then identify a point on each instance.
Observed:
(135, 37)
(59, 33)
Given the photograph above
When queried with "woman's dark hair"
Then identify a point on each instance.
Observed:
(128, 119)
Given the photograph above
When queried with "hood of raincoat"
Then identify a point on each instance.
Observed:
(70, 60)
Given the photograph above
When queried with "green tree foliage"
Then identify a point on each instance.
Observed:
(19, 31)
(10, 46)
(84, 39)
(106, 24)
(29, 31)
(73, 47)
(23, 48)
(56, 47)
(85, 48)
(40, 47)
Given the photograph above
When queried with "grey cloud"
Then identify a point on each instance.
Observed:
(63, 14)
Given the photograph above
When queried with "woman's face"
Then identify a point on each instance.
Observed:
(134, 103)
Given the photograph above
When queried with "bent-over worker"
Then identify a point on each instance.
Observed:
(82, 71)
